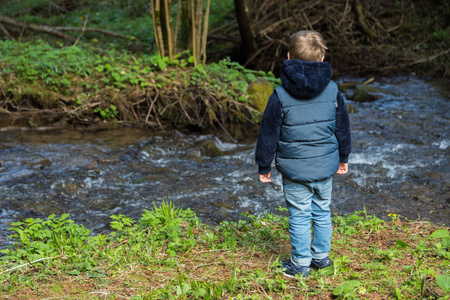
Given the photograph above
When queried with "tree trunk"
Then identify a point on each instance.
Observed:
(245, 29)
(205, 32)
(185, 36)
(163, 28)
(166, 27)
(198, 11)
(194, 26)
(157, 27)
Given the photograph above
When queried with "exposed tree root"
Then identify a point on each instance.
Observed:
(151, 107)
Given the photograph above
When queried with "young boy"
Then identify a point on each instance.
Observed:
(307, 125)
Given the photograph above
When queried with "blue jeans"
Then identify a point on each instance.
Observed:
(306, 202)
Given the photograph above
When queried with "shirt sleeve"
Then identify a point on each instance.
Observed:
(342, 132)
(269, 134)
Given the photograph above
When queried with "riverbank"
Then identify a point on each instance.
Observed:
(169, 254)
(85, 86)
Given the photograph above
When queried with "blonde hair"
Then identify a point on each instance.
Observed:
(307, 45)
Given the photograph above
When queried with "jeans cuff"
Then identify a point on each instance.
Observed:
(301, 262)
(319, 256)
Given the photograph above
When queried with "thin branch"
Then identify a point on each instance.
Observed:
(347, 9)
(274, 26)
(29, 263)
(204, 265)
(57, 6)
(362, 20)
(91, 29)
(307, 20)
(224, 37)
(6, 32)
(82, 32)
(430, 58)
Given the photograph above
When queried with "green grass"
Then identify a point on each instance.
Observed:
(169, 254)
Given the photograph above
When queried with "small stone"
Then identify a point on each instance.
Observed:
(194, 157)
(345, 86)
(209, 148)
(366, 93)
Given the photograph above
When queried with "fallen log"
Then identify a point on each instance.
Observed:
(58, 30)
(42, 28)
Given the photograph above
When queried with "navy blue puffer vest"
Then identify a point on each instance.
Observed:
(308, 149)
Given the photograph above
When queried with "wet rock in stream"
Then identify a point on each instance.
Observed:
(15, 174)
(366, 93)
(209, 148)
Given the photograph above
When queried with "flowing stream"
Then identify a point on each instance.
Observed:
(399, 164)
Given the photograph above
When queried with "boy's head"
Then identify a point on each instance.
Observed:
(307, 45)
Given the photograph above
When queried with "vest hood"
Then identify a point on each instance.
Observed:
(305, 79)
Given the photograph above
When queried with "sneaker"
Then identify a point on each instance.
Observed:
(291, 270)
(320, 263)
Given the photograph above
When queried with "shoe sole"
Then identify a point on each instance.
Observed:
(292, 276)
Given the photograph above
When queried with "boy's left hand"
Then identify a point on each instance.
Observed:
(343, 169)
(265, 178)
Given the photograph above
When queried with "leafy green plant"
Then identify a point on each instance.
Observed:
(38, 241)
(440, 234)
(54, 236)
(347, 289)
(121, 223)
(444, 282)
(442, 246)
(108, 113)
(166, 215)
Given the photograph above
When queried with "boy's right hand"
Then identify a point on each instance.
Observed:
(265, 178)
(343, 169)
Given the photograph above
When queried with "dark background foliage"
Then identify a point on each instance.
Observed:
(382, 37)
